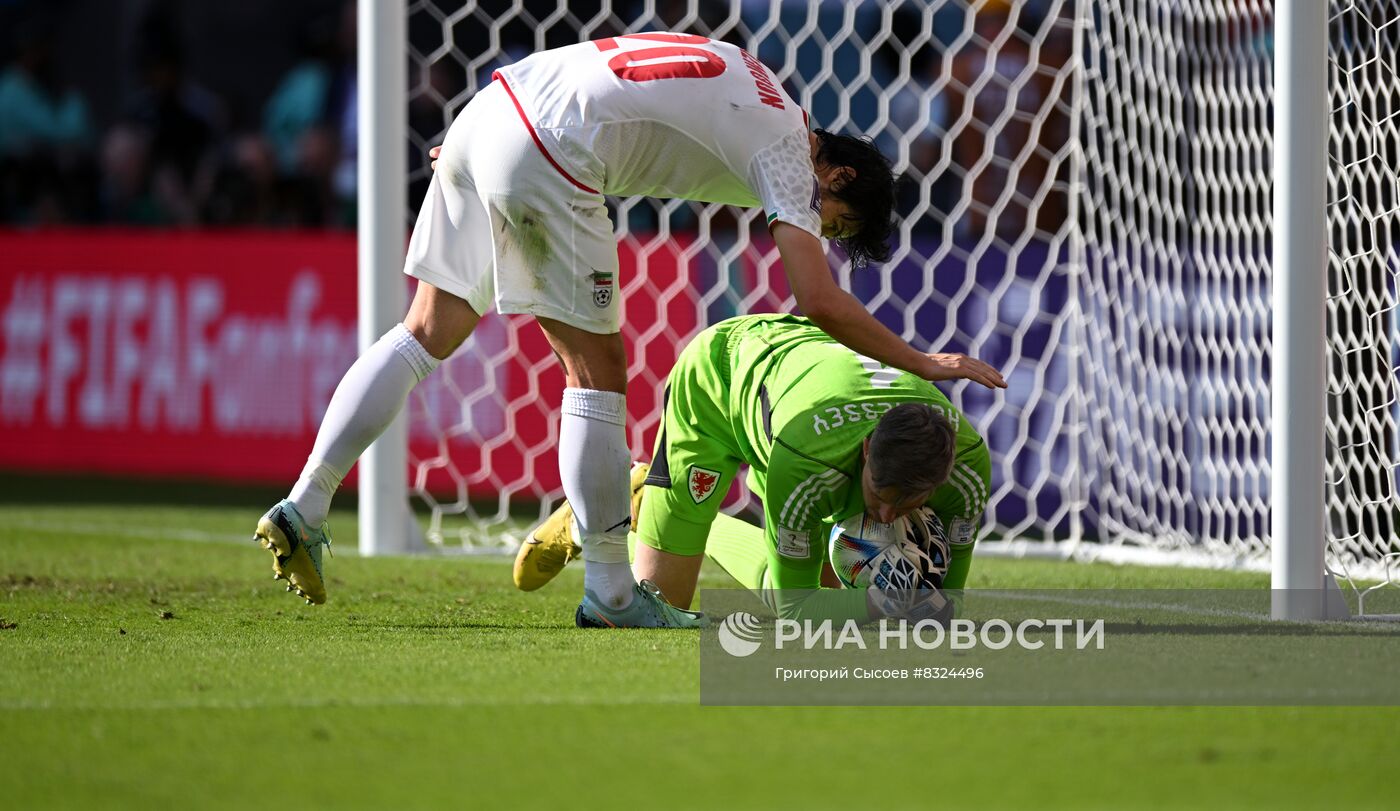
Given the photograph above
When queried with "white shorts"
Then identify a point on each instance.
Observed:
(502, 224)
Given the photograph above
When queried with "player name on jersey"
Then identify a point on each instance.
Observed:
(767, 92)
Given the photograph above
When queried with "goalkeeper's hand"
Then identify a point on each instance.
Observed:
(911, 604)
(954, 366)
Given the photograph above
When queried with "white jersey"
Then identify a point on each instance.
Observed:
(670, 115)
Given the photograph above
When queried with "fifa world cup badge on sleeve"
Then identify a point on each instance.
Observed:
(960, 532)
(702, 483)
(793, 543)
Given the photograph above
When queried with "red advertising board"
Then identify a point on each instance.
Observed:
(213, 356)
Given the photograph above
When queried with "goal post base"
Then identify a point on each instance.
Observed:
(1334, 603)
(395, 533)
(1311, 605)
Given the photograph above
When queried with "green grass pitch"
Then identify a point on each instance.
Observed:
(148, 660)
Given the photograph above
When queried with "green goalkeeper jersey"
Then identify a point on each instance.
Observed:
(780, 394)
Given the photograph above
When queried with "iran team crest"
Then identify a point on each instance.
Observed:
(602, 289)
(702, 483)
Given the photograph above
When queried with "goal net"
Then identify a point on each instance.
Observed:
(1086, 206)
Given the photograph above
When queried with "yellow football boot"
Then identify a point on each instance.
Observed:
(296, 550)
(551, 546)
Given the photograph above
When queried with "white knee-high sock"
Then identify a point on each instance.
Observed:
(367, 399)
(594, 465)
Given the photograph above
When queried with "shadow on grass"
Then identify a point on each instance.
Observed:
(48, 489)
(18, 487)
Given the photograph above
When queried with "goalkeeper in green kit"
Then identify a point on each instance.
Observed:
(827, 433)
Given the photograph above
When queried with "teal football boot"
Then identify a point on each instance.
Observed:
(648, 609)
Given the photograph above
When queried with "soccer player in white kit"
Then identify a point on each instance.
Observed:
(515, 218)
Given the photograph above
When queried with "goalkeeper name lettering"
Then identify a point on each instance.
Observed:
(837, 416)
(833, 417)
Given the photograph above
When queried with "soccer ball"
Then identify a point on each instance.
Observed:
(911, 553)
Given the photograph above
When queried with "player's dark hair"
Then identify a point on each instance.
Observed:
(870, 194)
(911, 449)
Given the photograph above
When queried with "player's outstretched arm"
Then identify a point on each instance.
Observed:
(844, 318)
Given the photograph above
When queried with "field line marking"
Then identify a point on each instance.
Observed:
(351, 703)
(1043, 596)
(108, 530)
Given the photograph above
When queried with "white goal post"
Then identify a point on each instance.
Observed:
(1173, 224)
(1299, 299)
(386, 520)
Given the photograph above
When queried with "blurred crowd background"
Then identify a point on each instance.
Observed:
(169, 113)
(182, 114)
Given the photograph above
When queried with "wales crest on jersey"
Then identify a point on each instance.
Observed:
(702, 483)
